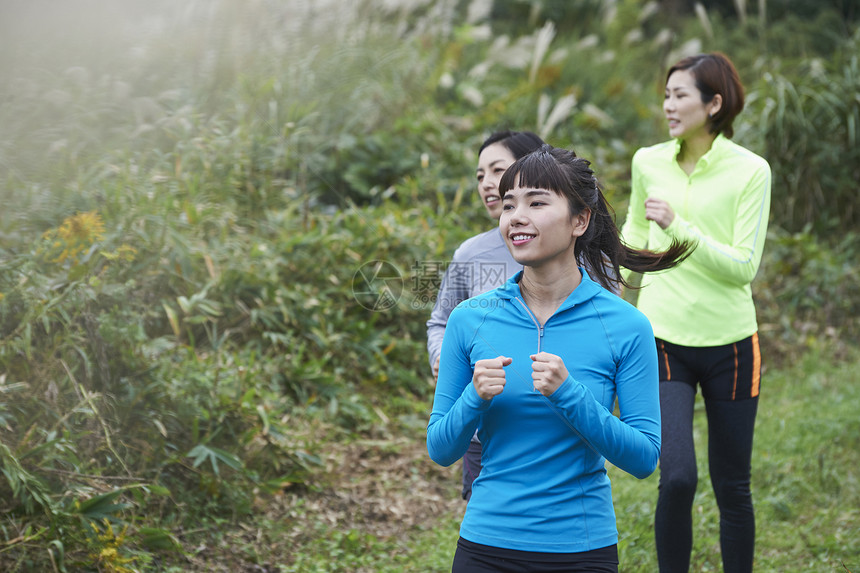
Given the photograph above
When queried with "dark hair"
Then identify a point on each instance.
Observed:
(715, 74)
(519, 143)
(560, 170)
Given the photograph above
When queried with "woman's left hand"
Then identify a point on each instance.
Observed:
(548, 372)
(659, 211)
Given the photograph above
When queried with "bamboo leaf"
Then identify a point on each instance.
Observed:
(172, 318)
(102, 506)
(159, 539)
(203, 452)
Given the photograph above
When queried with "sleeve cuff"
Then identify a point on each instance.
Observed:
(471, 398)
(565, 392)
(677, 229)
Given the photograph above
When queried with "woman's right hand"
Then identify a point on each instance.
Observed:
(659, 211)
(489, 376)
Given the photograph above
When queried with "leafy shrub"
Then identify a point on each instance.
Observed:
(807, 292)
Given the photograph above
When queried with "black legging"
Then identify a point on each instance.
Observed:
(730, 440)
(476, 558)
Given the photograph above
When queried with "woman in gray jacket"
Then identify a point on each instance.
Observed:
(481, 263)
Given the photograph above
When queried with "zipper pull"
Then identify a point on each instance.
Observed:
(540, 338)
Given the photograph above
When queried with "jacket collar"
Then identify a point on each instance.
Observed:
(716, 149)
(586, 290)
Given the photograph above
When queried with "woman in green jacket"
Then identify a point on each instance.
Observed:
(702, 187)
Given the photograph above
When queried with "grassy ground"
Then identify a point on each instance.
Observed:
(389, 509)
(805, 479)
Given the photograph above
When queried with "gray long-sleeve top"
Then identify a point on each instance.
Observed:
(480, 264)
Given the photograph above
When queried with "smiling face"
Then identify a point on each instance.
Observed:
(685, 111)
(493, 161)
(538, 227)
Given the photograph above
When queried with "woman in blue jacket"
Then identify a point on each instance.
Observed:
(535, 367)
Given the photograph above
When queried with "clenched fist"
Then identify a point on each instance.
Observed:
(489, 376)
(548, 372)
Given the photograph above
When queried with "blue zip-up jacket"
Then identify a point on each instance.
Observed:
(543, 486)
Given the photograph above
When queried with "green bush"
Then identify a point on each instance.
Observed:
(807, 293)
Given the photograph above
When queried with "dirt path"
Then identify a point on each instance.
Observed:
(383, 488)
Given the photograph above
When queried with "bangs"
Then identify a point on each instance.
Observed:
(537, 170)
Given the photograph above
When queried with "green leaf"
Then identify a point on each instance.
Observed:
(102, 506)
(159, 539)
(203, 452)
(58, 553)
(264, 417)
(160, 490)
(171, 316)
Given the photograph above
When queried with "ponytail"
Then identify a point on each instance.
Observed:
(600, 247)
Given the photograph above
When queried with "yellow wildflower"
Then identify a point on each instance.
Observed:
(73, 237)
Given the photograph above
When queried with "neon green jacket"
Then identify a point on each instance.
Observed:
(723, 207)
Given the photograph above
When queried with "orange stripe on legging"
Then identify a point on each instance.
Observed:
(756, 373)
(666, 361)
(735, 381)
